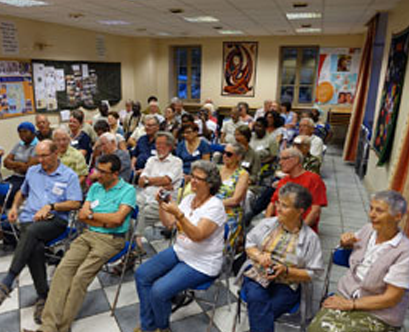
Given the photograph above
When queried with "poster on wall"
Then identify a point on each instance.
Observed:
(239, 68)
(16, 88)
(391, 96)
(337, 76)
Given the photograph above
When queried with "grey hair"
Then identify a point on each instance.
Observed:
(61, 130)
(109, 136)
(175, 100)
(238, 149)
(396, 202)
(303, 139)
(302, 196)
(213, 178)
(310, 122)
(170, 139)
(151, 117)
(294, 152)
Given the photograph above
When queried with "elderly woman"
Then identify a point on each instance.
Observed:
(373, 294)
(192, 147)
(283, 252)
(234, 187)
(195, 258)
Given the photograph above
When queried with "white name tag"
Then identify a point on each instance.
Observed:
(196, 153)
(74, 142)
(57, 190)
(94, 204)
(245, 164)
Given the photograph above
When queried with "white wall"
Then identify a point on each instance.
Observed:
(378, 178)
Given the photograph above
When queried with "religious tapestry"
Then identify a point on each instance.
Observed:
(239, 68)
(391, 96)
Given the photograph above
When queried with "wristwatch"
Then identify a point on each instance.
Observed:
(52, 207)
(146, 182)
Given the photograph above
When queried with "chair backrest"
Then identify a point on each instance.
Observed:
(5, 190)
(341, 256)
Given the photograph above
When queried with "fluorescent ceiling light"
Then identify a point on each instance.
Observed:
(303, 16)
(163, 34)
(24, 3)
(113, 22)
(201, 19)
(308, 30)
(230, 32)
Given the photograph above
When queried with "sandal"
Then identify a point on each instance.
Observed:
(4, 292)
(38, 310)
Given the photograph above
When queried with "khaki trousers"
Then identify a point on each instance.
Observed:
(87, 254)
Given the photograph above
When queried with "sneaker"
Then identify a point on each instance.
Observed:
(38, 310)
(4, 292)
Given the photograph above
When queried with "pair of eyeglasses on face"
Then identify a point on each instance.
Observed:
(228, 154)
(102, 171)
(198, 178)
(286, 157)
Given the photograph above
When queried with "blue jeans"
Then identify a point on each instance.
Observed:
(265, 305)
(157, 281)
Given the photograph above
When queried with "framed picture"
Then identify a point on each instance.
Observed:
(239, 68)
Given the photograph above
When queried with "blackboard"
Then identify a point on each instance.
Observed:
(60, 85)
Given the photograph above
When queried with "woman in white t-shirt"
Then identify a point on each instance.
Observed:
(197, 255)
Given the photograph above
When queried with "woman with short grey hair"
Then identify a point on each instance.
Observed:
(195, 258)
(373, 294)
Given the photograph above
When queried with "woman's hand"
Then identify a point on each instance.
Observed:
(338, 303)
(279, 269)
(348, 240)
(170, 207)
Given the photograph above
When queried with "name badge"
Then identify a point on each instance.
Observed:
(94, 204)
(260, 148)
(196, 153)
(75, 142)
(154, 152)
(245, 164)
(57, 190)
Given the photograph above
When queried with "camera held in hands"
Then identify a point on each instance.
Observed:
(164, 195)
(270, 270)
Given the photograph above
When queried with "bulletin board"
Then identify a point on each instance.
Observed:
(16, 88)
(60, 85)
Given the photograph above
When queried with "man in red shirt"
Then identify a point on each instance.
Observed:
(291, 163)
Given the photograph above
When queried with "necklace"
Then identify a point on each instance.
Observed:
(196, 205)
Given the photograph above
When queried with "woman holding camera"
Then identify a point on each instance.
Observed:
(197, 254)
(283, 252)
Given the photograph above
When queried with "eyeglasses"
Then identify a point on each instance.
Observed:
(228, 154)
(187, 132)
(102, 171)
(286, 158)
(197, 178)
(44, 155)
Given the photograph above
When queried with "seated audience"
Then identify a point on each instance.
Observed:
(151, 99)
(49, 191)
(153, 109)
(114, 126)
(44, 131)
(233, 190)
(317, 145)
(123, 113)
(177, 105)
(145, 148)
(373, 294)
(262, 112)
(194, 259)
(244, 116)
(170, 124)
(102, 127)
(107, 210)
(79, 139)
(69, 156)
(21, 157)
(163, 170)
(322, 129)
(251, 161)
(283, 253)
(131, 122)
(192, 147)
(275, 128)
(207, 127)
(291, 161)
(109, 145)
(290, 119)
(103, 110)
(230, 126)
(263, 144)
(310, 163)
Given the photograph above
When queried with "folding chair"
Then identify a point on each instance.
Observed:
(339, 256)
(6, 227)
(124, 254)
(298, 316)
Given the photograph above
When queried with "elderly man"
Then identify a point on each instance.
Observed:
(262, 143)
(21, 157)
(291, 163)
(311, 163)
(132, 119)
(162, 170)
(153, 109)
(261, 112)
(68, 155)
(146, 144)
(307, 128)
(109, 145)
(107, 210)
(177, 105)
(50, 190)
(44, 131)
(230, 126)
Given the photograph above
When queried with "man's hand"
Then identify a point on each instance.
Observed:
(84, 213)
(43, 213)
(12, 215)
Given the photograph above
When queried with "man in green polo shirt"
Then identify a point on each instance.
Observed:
(107, 211)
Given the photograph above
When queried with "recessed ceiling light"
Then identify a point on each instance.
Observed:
(303, 16)
(176, 10)
(113, 22)
(163, 34)
(308, 30)
(24, 3)
(201, 19)
(231, 32)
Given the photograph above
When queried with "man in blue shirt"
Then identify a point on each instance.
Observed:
(107, 211)
(50, 190)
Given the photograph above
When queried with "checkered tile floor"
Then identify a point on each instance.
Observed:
(347, 210)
